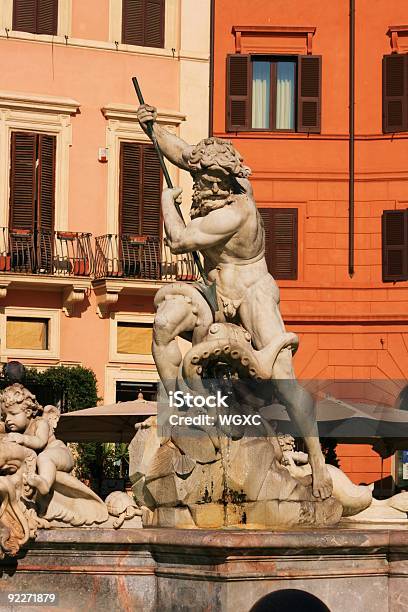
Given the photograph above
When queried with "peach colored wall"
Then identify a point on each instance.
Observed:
(94, 77)
(349, 327)
(90, 19)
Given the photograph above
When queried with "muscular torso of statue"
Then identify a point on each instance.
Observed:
(237, 263)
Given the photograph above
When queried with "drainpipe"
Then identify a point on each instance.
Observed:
(211, 79)
(352, 32)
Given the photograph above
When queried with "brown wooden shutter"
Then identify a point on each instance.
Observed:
(132, 22)
(154, 23)
(22, 180)
(140, 190)
(309, 93)
(395, 245)
(143, 22)
(46, 182)
(24, 15)
(238, 93)
(395, 93)
(36, 16)
(130, 188)
(152, 187)
(47, 16)
(281, 241)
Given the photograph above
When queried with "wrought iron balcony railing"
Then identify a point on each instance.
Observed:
(44, 252)
(140, 257)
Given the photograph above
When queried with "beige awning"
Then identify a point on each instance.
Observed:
(111, 423)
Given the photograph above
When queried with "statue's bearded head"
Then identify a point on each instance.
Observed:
(215, 166)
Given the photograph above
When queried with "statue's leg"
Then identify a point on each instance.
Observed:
(300, 406)
(48, 462)
(180, 309)
(260, 315)
(45, 478)
(174, 316)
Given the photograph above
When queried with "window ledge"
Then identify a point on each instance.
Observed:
(107, 291)
(73, 289)
(103, 45)
(38, 103)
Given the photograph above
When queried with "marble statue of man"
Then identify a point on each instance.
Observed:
(228, 231)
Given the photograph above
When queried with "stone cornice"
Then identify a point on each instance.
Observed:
(38, 103)
(127, 112)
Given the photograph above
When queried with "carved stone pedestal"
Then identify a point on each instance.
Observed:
(339, 569)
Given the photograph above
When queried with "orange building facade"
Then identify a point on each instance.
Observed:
(281, 94)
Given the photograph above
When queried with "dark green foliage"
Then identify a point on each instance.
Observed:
(97, 461)
(75, 386)
(71, 388)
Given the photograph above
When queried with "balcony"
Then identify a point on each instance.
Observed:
(129, 263)
(47, 259)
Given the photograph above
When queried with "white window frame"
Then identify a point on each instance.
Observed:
(123, 126)
(127, 317)
(115, 373)
(54, 332)
(171, 21)
(41, 114)
(63, 27)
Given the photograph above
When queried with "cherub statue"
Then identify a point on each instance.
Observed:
(28, 424)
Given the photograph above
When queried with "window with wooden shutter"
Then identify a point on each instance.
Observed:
(139, 210)
(273, 93)
(395, 245)
(143, 22)
(395, 93)
(36, 16)
(46, 182)
(238, 92)
(151, 182)
(281, 241)
(32, 181)
(32, 201)
(139, 190)
(309, 93)
(23, 180)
